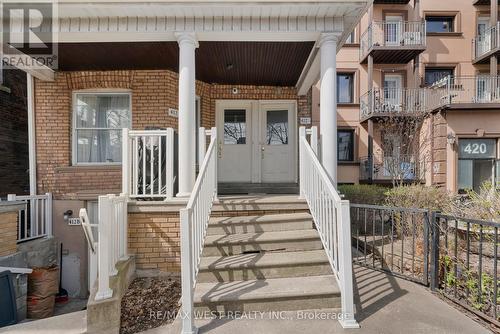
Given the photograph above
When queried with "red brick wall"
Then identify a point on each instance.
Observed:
(14, 175)
(153, 92)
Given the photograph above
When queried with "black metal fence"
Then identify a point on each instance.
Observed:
(456, 256)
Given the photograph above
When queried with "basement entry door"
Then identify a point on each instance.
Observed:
(256, 141)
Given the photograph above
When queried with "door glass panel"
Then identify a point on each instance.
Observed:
(235, 127)
(277, 127)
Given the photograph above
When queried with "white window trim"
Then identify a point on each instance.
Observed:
(74, 144)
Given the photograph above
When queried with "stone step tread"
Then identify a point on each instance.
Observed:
(265, 259)
(273, 288)
(259, 199)
(245, 238)
(258, 219)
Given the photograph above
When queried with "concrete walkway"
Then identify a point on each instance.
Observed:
(70, 323)
(386, 305)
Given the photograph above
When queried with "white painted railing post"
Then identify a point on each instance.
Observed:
(302, 134)
(187, 273)
(345, 266)
(48, 214)
(202, 145)
(104, 256)
(213, 137)
(169, 164)
(126, 163)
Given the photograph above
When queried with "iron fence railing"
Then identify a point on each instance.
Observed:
(457, 257)
(466, 263)
(392, 239)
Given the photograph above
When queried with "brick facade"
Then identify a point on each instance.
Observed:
(439, 150)
(14, 175)
(154, 237)
(153, 93)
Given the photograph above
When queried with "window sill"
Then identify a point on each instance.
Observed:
(347, 104)
(445, 34)
(88, 168)
(351, 45)
(348, 163)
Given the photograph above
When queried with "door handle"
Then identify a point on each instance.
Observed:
(262, 149)
(219, 149)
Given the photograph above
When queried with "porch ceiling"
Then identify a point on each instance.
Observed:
(251, 63)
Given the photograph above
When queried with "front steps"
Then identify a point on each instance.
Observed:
(264, 259)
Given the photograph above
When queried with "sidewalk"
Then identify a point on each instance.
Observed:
(385, 304)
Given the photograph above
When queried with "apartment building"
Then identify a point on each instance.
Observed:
(428, 67)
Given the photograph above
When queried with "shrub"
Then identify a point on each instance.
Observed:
(419, 196)
(484, 205)
(363, 193)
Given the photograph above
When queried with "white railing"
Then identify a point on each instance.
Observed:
(332, 220)
(35, 219)
(392, 34)
(112, 245)
(148, 163)
(194, 222)
(393, 101)
(487, 41)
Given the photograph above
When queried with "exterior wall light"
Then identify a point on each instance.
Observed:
(67, 214)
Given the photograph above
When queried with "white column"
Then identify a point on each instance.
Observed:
(187, 99)
(30, 83)
(328, 104)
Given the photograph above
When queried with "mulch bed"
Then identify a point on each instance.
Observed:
(148, 303)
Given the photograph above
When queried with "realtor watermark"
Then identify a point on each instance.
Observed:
(251, 315)
(28, 38)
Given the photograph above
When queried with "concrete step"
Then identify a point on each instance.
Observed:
(274, 294)
(259, 203)
(284, 241)
(261, 188)
(263, 265)
(255, 224)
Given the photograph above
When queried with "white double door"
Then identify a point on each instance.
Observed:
(256, 141)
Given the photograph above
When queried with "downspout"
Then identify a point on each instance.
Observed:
(30, 83)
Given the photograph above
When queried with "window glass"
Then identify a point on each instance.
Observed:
(99, 120)
(277, 127)
(235, 127)
(345, 87)
(345, 145)
(465, 174)
(439, 24)
(435, 74)
(477, 148)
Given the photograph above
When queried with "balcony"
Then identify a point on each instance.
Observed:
(483, 2)
(395, 42)
(392, 102)
(486, 45)
(405, 168)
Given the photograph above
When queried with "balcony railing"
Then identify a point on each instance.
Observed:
(450, 90)
(404, 167)
(486, 42)
(392, 34)
(393, 101)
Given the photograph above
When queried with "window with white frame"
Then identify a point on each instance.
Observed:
(98, 120)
